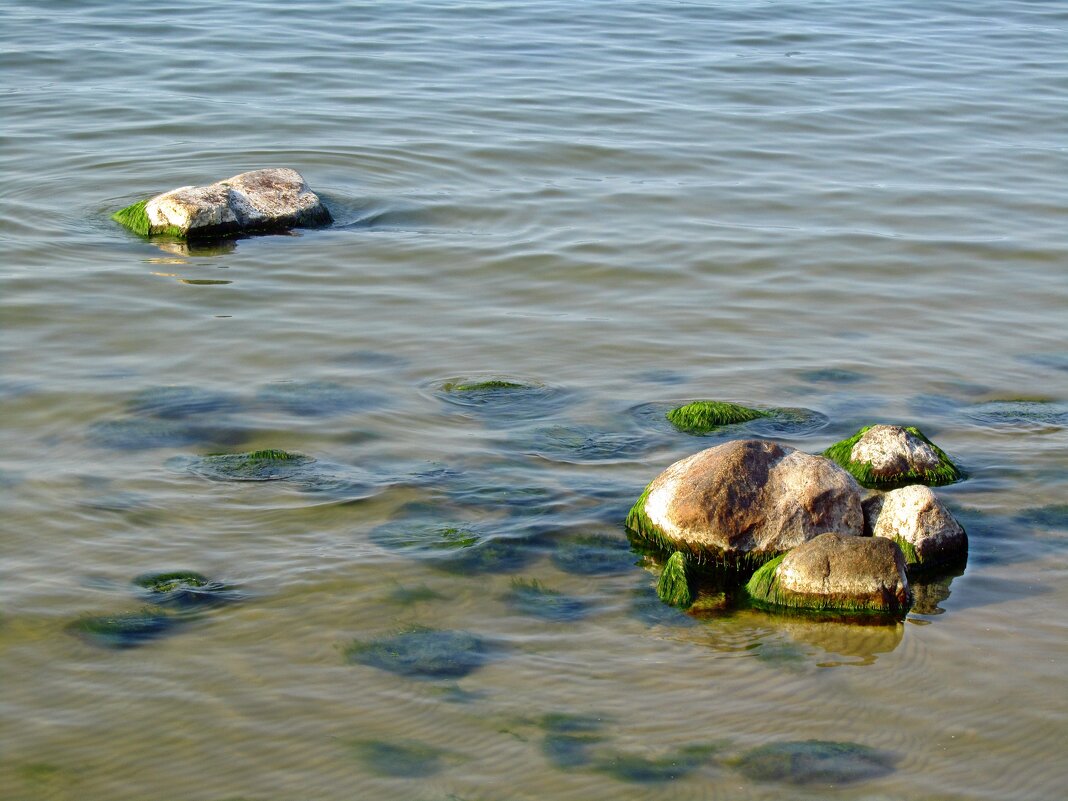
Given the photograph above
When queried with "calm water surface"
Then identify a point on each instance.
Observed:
(853, 208)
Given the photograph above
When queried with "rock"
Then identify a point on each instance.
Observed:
(808, 762)
(887, 457)
(746, 501)
(261, 200)
(423, 653)
(919, 523)
(124, 630)
(836, 572)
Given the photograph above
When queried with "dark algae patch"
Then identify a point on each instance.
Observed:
(569, 738)
(411, 535)
(125, 629)
(179, 402)
(945, 472)
(638, 768)
(1022, 413)
(482, 386)
(593, 554)
(531, 597)
(317, 398)
(702, 417)
(498, 555)
(808, 762)
(184, 589)
(264, 465)
(400, 759)
(422, 653)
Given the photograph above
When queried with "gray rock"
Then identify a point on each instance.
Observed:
(891, 450)
(836, 572)
(919, 523)
(747, 500)
(261, 200)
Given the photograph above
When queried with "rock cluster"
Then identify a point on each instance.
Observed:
(258, 201)
(803, 521)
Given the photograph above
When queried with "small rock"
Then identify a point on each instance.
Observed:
(835, 572)
(919, 523)
(886, 457)
(262, 200)
(809, 762)
(746, 500)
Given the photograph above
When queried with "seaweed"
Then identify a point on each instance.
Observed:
(702, 417)
(673, 588)
(263, 465)
(184, 589)
(531, 597)
(135, 219)
(125, 629)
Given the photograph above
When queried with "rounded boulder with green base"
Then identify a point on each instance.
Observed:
(888, 457)
(704, 416)
(744, 502)
(259, 201)
(920, 524)
(838, 574)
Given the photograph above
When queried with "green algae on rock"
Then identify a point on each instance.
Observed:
(835, 573)
(422, 653)
(888, 457)
(673, 587)
(184, 589)
(125, 629)
(483, 386)
(264, 465)
(701, 417)
(807, 762)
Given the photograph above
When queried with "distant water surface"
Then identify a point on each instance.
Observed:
(855, 209)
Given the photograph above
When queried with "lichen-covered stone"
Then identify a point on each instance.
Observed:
(746, 501)
(836, 572)
(261, 200)
(886, 457)
(919, 523)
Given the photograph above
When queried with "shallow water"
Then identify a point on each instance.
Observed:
(852, 209)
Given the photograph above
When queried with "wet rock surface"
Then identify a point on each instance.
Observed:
(746, 499)
(836, 572)
(262, 200)
(919, 523)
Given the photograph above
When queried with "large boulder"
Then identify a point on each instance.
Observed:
(835, 572)
(886, 457)
(261, 200)
(920, 524)
(746, 501)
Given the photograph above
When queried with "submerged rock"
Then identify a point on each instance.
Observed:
(265, 465)
(814, 762)
(836, 572)
(423, 653)
(887, 457)
(124, 630)
(640, 768)
(531, 597)
(404, 759)
(184, 589)
(262, 200)
(746, 501)
(919, 523)
(593, 554)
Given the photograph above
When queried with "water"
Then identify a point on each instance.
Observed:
(856, 209)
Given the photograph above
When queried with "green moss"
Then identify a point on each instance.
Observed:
(763, 586)
(264, 465)
(944, 473)
(168, 582)
(908, 550)
(134, 218)
(481, 386)
(701, 417)
(674, 584)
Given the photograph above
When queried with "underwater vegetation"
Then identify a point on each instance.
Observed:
(808, 762)
(184, 589)
(125, 629)
(531, 597)
(631, 767)
(701, 417)
(673, 587)
(401, 759)
(422, 653)
(263, 465)
(593, 554)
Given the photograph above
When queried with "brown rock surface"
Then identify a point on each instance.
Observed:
(747, 498)
(891, 451)
(833, 571)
